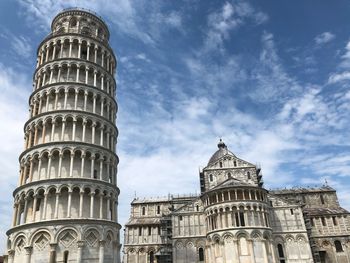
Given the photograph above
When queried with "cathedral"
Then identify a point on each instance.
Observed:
(235, 219)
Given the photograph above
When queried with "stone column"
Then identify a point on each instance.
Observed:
(52, 258)
(69, 205)
(63, 128)
(43, 133)
(60, 164)
(92, 200)
(53, 131)
(101, 169)
(59, 73)
(82, 164)
(85, 99)
(43, 215)
(29, 250)
(56, 204)
(62, 47)
(84, 130)
(101, 205)
(94, 103)
(102, 82)
(95, 60)
(25, 212)
(74, 128)
(11, 255)
(88, 52)
(87, 75)
(15, 214)
(101, 135)
(92, 158)
(93, 132)
(34, 207)
(108, 207)
(71, 164)
(102, 251)
(49, 166)
(31, 163)
(81, 203)
(77, 76)
(70, 48)
(95, 75)
(47, 53)
(65, 99)
(80, 251)
(79, 49)
(51, 74)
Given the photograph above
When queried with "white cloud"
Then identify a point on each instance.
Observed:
(13, 114)
(231, 16)
(20, 45)
(324, 38)
(338, 77)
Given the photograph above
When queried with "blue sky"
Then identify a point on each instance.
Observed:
(269, 77)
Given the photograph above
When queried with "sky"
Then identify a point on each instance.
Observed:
(271, 78)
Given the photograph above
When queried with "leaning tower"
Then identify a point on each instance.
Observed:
(65, 205)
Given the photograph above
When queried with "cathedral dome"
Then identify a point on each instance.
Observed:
(220, 153)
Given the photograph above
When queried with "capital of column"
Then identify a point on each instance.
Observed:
(28, 249)
(11, 252)
(53, 246)
(81, 243)
(102, 243)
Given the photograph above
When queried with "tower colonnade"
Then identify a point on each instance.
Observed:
(65, 205)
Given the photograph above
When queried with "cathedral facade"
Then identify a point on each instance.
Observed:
(65, 205)
(235, 219)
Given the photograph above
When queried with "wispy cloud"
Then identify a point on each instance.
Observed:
(229, 17)
(343, 71)
(20, 45)
(324, 38)
(12, 114)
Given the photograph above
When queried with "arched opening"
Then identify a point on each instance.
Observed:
(338, 246)
(281, 253)
(210, 177)
(151, 257)
(201, 254)
(65, 256)
(143, 211)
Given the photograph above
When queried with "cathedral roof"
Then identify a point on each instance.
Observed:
(325, 211)
(220, 153)
(144, 221)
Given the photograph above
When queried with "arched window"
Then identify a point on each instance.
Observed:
(143, 210)
(151, 257)
(73, 22)
(234, 163)
(322, 199)
(281, 253)
(210, 177)
(158, 209)
(201, 254)
(248, 174)
(338, 246)
(65, 256)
